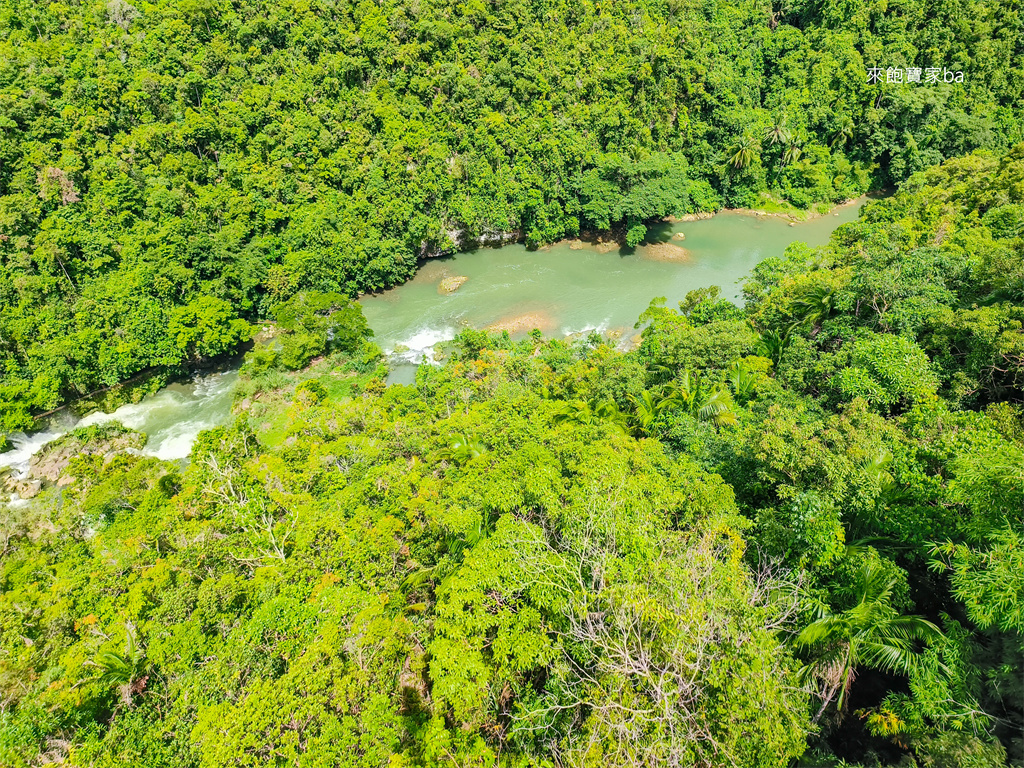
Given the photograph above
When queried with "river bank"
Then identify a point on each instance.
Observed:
(797, 216)
(464, 242)
(567, 288)
(789, 213)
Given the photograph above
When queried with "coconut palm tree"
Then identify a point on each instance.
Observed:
(742, 380)
(876, 469)
(871, 634)
(791, 155)
(772, 345)
(777, 132)
(814, 305)
(649, 406)
(711, 403)
(718, 407)
(743, 152)
(843, 134)
(590, 412)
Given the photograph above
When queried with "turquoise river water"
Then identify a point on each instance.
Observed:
(572, 287)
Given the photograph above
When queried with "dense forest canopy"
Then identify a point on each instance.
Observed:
(172, 170)
(784, 534)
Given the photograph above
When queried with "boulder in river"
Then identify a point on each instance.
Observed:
(24, 487)
(451, 284)
(28, 489)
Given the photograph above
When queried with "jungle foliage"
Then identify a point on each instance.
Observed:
(787, 533)
(183, 164)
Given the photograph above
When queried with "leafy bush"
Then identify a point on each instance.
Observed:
(886, 370)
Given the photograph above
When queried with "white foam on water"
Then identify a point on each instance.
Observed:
(214, 384)
(421, 344)
(171, 418)
(599, 328)
(25, 446)
(137, 415)
(177, 443)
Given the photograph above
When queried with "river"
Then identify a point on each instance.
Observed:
(561, 289)
(572, 287)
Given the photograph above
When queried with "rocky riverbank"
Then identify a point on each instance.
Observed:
(51, 465)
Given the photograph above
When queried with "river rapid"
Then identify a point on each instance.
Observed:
(566, 288)
(171, 418)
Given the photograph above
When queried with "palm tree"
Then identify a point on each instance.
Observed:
(590, 412)
(932, 135)
(876, 469)
(843, 134)
(122, 670)
(777, 132)
(451, 552)
(662, 372)
(648, 408)
(742, 380)
(462, 448)
(871, 634)
(718, 407)
(690, 394)
(711, 403)
(814, 306)
(792, 154)
(772, 345)
(743, 152)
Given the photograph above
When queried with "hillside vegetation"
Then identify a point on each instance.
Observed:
(788, 534)
(171, 170)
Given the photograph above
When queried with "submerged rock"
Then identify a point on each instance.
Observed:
(665, 252)
(431, 272)
(524, 322)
